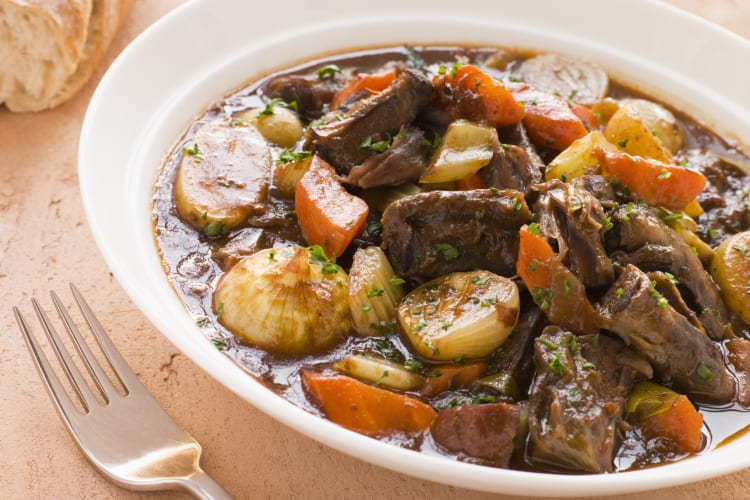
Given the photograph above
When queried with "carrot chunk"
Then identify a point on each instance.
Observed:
(365, 408)
(681, 423)
(533, 262)
(448, 377)
(549, 119)
(370, 82)
(475, 95)
(655, 182)
(328, 214)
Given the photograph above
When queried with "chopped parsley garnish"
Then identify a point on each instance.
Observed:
(380, 380)
(436, 142)
(328, 71)
(202, 321)
(432, 347)
(287, 156)
(448, 251)
(396, 281)
(214, 229)
(374, 292)
(220, 310)
(623, 143)
(193, 152)
(377, 146)
(588, 365)
(704, 372)
(365, 308)
(317, 255)
(272, 254)
(549, 344)
(542, 297)
(454, 70)
(566, 283)
(484, 399)
(665, 174)
(479, 214)
(476, 280)
(517, 205)
(268, 109)
(533, 228)
(414, 365)
(219, 344)
(620, 292)
(557, 366)
(607, 224)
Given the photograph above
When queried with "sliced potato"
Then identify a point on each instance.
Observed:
(291, 301)
(223, 177)
(374, 290)
(379, 371)
(461, 315)
(659, 121)
(730, 269)
(278, 124)
(573, 79)
(467, 147)
(632, 129)
(573, 161)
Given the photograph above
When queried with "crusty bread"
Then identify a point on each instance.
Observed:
(49, 48)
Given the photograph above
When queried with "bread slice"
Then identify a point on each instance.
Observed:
(49, 48)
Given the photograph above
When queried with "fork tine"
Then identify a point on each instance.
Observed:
(59, 395)
(97, 373)
(79, 384)
(121, 368)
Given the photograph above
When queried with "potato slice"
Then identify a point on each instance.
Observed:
(730, 269)
(223, 177)
(278, 124)
(573, 161)
(467, 147)
(660, 122)
(639, 128)
(461, 315)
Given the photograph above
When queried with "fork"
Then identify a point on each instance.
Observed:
(129, 438)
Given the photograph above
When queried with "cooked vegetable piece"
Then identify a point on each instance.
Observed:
(661, 412)
(288, 171)
(534, 260)
(363, 82)
(379, 371)
(655, 182)
(730, 268)
(374, 290)
(462, 315)
(223, 177)
(450, 377)
(277, 123)
(549, 120)
(631, 134)
(288, 300)
(328, 215)
(467, 147)
(577, 158)
(475, 95)
(579, 81)
(364, 408)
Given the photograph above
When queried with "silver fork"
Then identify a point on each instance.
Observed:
(129, 438)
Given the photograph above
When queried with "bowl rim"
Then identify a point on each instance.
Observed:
(113, 120)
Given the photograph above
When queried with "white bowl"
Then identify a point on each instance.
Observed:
(204, 49)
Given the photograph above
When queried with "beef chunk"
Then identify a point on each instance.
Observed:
(517, 135)
(654, 246)
(511, 168)
(678, 351)
(343, 142)
(404, 161)
(574, 218)
(577, 399)
(311, 93)
(481, 431)
(430, 234)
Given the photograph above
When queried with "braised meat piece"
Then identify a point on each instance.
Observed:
(511, 168)
(404, 161)
(349, 141)
(678, 351)
(518, 136)
(482, 431)
(653, 246)
(311, 92)
(574, 218)
(578, 399)
(430, 234)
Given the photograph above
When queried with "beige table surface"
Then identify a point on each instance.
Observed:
(45, 243)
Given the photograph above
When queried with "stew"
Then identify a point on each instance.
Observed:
(499, 256)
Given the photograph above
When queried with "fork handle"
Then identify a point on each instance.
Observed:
(204, 487)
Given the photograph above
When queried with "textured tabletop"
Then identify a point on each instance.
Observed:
(45, 242)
